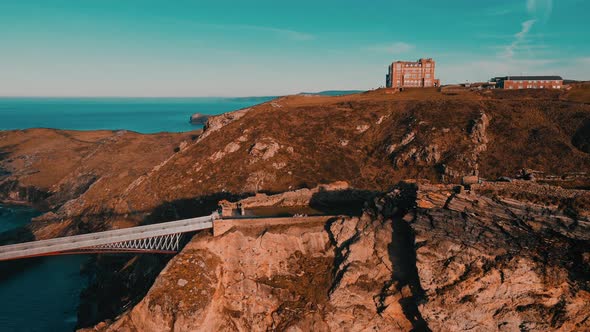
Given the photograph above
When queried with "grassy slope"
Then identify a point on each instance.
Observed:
(527, 129)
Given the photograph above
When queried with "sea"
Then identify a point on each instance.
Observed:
(42, 294)
(38, 294)
(143, 115)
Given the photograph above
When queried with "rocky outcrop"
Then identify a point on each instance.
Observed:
(412, 134)
(422, 257)
(12, 192)
(495, 263)
(337, 197)
(75, 175)
(264, 149)
(301, 197)
(477, 132)
(214, 123)
(199, 119)
(99, 180)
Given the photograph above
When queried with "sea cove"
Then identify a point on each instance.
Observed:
(39, 294)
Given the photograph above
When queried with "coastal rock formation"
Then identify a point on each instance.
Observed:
(92, 181)
(422, 134)
(422, 257)
(75, 174)
(264, 149)
(199, 119)
(123, 177)
(217, 122)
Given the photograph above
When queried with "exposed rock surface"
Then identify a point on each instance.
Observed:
(413, 134)
(121, 177)
(422, 257)
(89, 181)
(337, 197)
(199, 119)
(217, 122)
(264, 149)
(301, 197)
(76, 175)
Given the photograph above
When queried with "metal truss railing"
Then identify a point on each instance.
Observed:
(164, 243)
(165, 238)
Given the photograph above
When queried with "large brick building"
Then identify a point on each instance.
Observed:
(410, 74)
(528, 82)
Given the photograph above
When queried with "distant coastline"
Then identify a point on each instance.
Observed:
(333, 92)
(144, 115)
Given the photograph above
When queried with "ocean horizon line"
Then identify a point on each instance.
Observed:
(178, 97)
(134, 97)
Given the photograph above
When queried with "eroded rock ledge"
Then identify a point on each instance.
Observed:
(422, 257)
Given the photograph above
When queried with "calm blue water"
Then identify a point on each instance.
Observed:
(144, 115)
(38, 294)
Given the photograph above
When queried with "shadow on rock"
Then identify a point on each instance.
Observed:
(119, 282)
(342, 202)
(402, 253)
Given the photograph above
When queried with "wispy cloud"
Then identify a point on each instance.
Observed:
(519, 38)
(510, 36)
(392, 48)
(540, 9)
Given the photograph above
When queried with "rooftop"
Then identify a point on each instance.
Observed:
(528, 78)
(419, 60)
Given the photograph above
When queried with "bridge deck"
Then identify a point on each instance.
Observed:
(72, 243)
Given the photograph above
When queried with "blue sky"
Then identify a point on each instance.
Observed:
(259, 47)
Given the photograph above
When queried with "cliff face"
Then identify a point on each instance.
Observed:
(75, 174)
(98, 180)
(90, 181)
(374, 140)
(420, 257)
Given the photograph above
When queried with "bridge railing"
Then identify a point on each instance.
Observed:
(96, 240)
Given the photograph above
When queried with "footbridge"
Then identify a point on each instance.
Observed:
(157, 238)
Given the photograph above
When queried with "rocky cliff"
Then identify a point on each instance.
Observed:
(73, 174)
(421, 257)
(371, 140)
(199, 119)
(89, 181)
